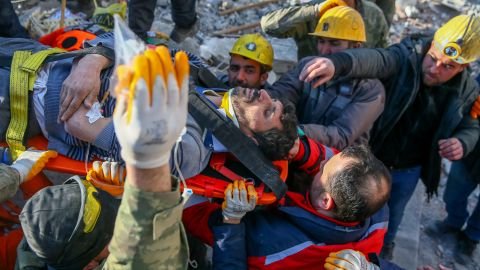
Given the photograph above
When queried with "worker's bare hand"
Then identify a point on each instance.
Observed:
(82, 85)
(475, 112)
(318, 71)
(450, 149)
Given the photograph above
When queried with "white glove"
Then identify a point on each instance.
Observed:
(239, 199)
(31, 162)
(348, 259)
(151, 114)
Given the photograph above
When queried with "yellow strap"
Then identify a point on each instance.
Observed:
(22, 77)
(33, 63)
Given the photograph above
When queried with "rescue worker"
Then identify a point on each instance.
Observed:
(78, 238)
(463, 179)
(142, 13)
(20, 174)
(9, 24)
(388, 8)
(27, 165)
(254, 111)
(298, 21)
(343, 112)
(251, 58)
(429, 96)
(344, 207)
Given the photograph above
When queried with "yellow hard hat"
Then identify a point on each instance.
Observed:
(255, 47)
(459, 39)
(341, 22)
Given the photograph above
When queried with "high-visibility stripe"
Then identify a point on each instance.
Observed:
(22, 77)
(288, 252)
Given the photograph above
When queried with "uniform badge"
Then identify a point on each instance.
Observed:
(325, 27)
(251, 46)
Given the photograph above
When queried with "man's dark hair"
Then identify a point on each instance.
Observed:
(276, 143)
(362, 188)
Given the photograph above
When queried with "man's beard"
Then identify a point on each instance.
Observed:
(236, 91)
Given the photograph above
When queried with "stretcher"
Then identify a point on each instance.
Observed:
(61, 164)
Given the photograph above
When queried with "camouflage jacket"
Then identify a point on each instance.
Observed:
(9, 182)
(298, 21)
(148, 232)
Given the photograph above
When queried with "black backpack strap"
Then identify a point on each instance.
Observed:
(243, 148)
(6, 61)
(204, 77)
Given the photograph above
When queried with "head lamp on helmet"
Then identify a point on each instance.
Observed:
(459, 39)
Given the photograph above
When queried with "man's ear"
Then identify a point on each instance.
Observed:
(263, 78)
(324, 202)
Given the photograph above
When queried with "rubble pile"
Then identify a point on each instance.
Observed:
(221, 21)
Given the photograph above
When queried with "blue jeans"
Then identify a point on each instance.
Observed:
(9, 24)
(404, 182)
(459, 186)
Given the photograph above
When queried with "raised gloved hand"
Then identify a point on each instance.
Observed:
(239, 199)
(151, 111)
(31, 162)
(348, 259)
(475, 112)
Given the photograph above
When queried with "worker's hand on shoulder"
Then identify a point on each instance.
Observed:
(239, 199)
(348, 259)
(317, 71)
(451, 149)
(475, 112)
(151, 112)
(31, 162)
(82, 85)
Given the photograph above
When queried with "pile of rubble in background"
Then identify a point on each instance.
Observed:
(222, 21)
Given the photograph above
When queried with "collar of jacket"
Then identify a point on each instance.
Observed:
(303, 201)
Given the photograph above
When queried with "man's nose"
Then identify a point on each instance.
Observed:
(326, 49)
(241, 76)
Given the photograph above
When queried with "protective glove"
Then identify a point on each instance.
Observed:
(31, 162)
(239, 199)
(475, 112)
(109, 172)
(348, 259)
(108, 176)
(151, 114)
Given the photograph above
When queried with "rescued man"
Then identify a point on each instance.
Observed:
(300, 20)
(147, 233)
(429, 95)
(342, 112)
(253, 111)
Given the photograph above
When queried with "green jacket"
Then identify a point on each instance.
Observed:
(148, 232)
(297, 21)
(9, 182)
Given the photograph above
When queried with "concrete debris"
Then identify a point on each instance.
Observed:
(412, 17)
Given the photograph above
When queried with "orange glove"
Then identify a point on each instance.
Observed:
(108, 176)
(475, 112)
(31, 162)
(239, 199)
